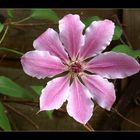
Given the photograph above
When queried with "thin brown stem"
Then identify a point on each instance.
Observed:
(124, 34)
(22, 115)
(123, 117)
(122, 41)
(25, 102)
(35, 104)
(20, 21)
(88, 127)
(2, 57)
(31, 24)
(5, 32)
(27, 24)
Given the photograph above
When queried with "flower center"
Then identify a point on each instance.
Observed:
(76, 67)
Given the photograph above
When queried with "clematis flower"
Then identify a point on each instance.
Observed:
(87, 67)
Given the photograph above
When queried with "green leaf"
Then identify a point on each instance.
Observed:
(37, 89)
(1, 27)
(50, 114)
(48, 14)
(10, 13)
(125, 49)
(4, 121)
(89, 20)
(10, 88)
(117, 33)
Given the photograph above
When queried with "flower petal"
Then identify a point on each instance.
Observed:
(49, 41)
(71, 29)
(113, 65)
(54, 94)
(102, 90)
(79, 106)
(97, 37)
(41, 64)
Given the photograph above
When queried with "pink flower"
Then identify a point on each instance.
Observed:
(87, 67)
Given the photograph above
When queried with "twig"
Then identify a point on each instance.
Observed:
(88, 127)
(11, 50)
(31, 24)
(91, 128)
(6, 30)
(119, 114)
(125, 36)
(35, 104)
(28, 24)
(2, 57)
(122, 41)
(22, 115)
(22, 20)
(25, 102)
